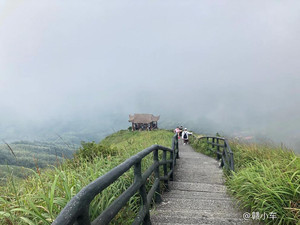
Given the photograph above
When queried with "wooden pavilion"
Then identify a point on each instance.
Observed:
(143, 121)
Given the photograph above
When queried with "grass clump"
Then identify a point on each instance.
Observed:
(267, 180)
(91, 151)
(39, 198)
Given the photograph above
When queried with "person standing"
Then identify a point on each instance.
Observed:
(185, 136)
(180, 133)
(177, 130)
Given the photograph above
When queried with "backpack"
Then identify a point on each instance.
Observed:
(185, 135)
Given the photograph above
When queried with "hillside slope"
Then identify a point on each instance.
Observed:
(39, 198)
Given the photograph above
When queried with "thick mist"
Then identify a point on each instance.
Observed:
(213, 66)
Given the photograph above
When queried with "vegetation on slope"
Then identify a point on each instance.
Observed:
(16, 157)
(18, 172)
(38, 199)
(266, 181)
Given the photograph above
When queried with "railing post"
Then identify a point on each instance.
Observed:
(157, 197)
(225, 157)
(231, 161)
(143, 193)
(207, 142)
(172, 157)
(176, 147)
(218, 149)
(166, 181)
(84, 218)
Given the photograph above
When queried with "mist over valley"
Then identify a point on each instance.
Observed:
(78, 69)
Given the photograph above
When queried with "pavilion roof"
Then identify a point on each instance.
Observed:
(143, 118)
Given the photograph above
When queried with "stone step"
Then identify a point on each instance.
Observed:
(202, 223)
(213, 165)
(221, 205)
(196, 214)
(196, 195)
(188, 186)
(197, 161)
(199, 221)
(199, 166)
(198, 177)
(199, 169)
(188, 154)
(216, 217)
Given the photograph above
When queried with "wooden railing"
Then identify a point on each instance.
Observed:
(77, 210)
(221, 148)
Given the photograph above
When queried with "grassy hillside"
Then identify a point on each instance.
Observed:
(39, 198)
(30, 154)
(17, 158)
(266, 181)
(18, 172)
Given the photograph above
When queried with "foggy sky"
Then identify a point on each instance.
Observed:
(232, 64)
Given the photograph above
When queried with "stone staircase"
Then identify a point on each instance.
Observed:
(197, 195)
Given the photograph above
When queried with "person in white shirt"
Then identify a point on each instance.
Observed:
(185, 136)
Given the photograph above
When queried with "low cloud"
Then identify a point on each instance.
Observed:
(216, 66)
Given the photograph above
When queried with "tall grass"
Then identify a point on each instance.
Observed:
(266, 180)
(39, 198)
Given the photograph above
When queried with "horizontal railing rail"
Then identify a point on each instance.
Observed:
(215, 144)
(77, 210)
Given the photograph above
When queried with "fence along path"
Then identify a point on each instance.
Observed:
(197, 195)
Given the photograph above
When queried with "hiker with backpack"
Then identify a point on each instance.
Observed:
(185, 136)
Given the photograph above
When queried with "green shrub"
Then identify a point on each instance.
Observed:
(91, 150)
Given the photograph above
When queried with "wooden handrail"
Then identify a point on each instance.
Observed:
(77, 209)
